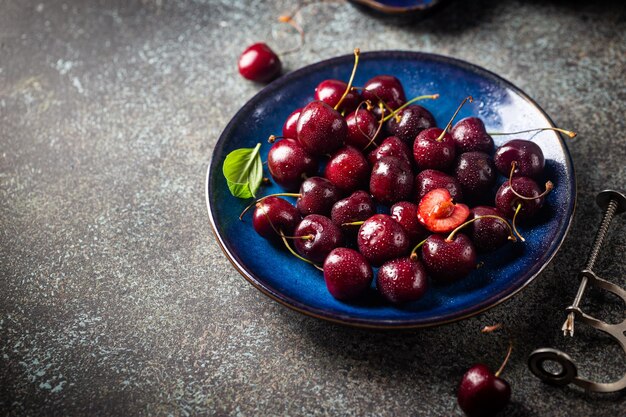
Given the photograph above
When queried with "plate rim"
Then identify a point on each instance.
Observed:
(368, 322)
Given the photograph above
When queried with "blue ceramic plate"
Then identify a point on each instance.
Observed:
(395, 7)
(502, 106)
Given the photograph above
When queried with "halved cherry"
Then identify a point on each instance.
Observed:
(439, 214)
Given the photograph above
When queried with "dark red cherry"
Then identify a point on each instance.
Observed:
(475, 172)
(330, 92)
(507, 201)
(348, 169)
(448, 261)
(391, 146)
(355, 208)
(412, 120)
(290, 126)
(381, 238)
(362, 126)
(274, 214)
(470, 135)
(347, 274)
(431, 179)
(528, 157)
(431, 152)
(317, 196)
(316, 236)
(289, 164)
(321, 129)
(386, 88)
(402, 280)
(405, 213)
(488, 234)
(391, 180)
(481, 393)
(259, 63)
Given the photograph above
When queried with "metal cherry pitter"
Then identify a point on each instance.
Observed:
(613, 203)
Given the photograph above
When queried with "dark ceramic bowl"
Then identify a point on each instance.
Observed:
(297, 285)
(399, 7)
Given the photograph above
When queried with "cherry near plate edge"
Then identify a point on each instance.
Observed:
(373, 323)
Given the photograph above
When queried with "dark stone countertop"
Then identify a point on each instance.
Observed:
(115, 298)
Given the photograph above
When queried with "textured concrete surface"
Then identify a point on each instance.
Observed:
(114, 296)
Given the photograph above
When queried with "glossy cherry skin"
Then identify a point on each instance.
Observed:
(470, 135)
(402, 280)
(386, 88)
(527, 155)
(487, 234)
(481, 393)
(321, 129)
(289, 164)
(323, 236)
(430, 153)
(359, 206)
(291, 124)
(347, 274)
(405, 213)
(259, 63)
(381, 238)
(431, 179)
(274, 214)
(447, 262)
(475, 172)
(347, 169)
(507, 201)
(362, 126)
(413, 119)
(391, 146)
(317, 196)
(330, 92)
(391, 180)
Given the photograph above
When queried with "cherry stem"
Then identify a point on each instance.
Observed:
(356, 117)
(273, 138)
(458, 109)
(549, 186)
(486, 216)
(519, 206)
(263, 198)
(413, 100)
(358, 223)
(569, 133)
(289, 20)
(357, 51)
(380, 100)
(283, 237)
(506, 359)
(380, 126)
(413, 255)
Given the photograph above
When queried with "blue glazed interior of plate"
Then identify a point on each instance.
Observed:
(298, 285)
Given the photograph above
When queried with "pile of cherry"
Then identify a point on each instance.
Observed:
(384, 150)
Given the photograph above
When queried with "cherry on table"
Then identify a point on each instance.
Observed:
(431, 179)
(273, 215)
(391, 180)
(470, 135)
(331, 91)
(317, 196)
(290, 164)
(381, 238)
(405, 213)
(321, 129)
(475, 172)
(291, 124)
(409, 122)
(402, 280)
(446, 260)
(359, 206)
(316, 236)
(481, 393)
(362, 127)
(527, 155)
(347, 169)
(259, 63)
(347, 274)
(391, 146)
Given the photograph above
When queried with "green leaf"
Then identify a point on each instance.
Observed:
(243, 170)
